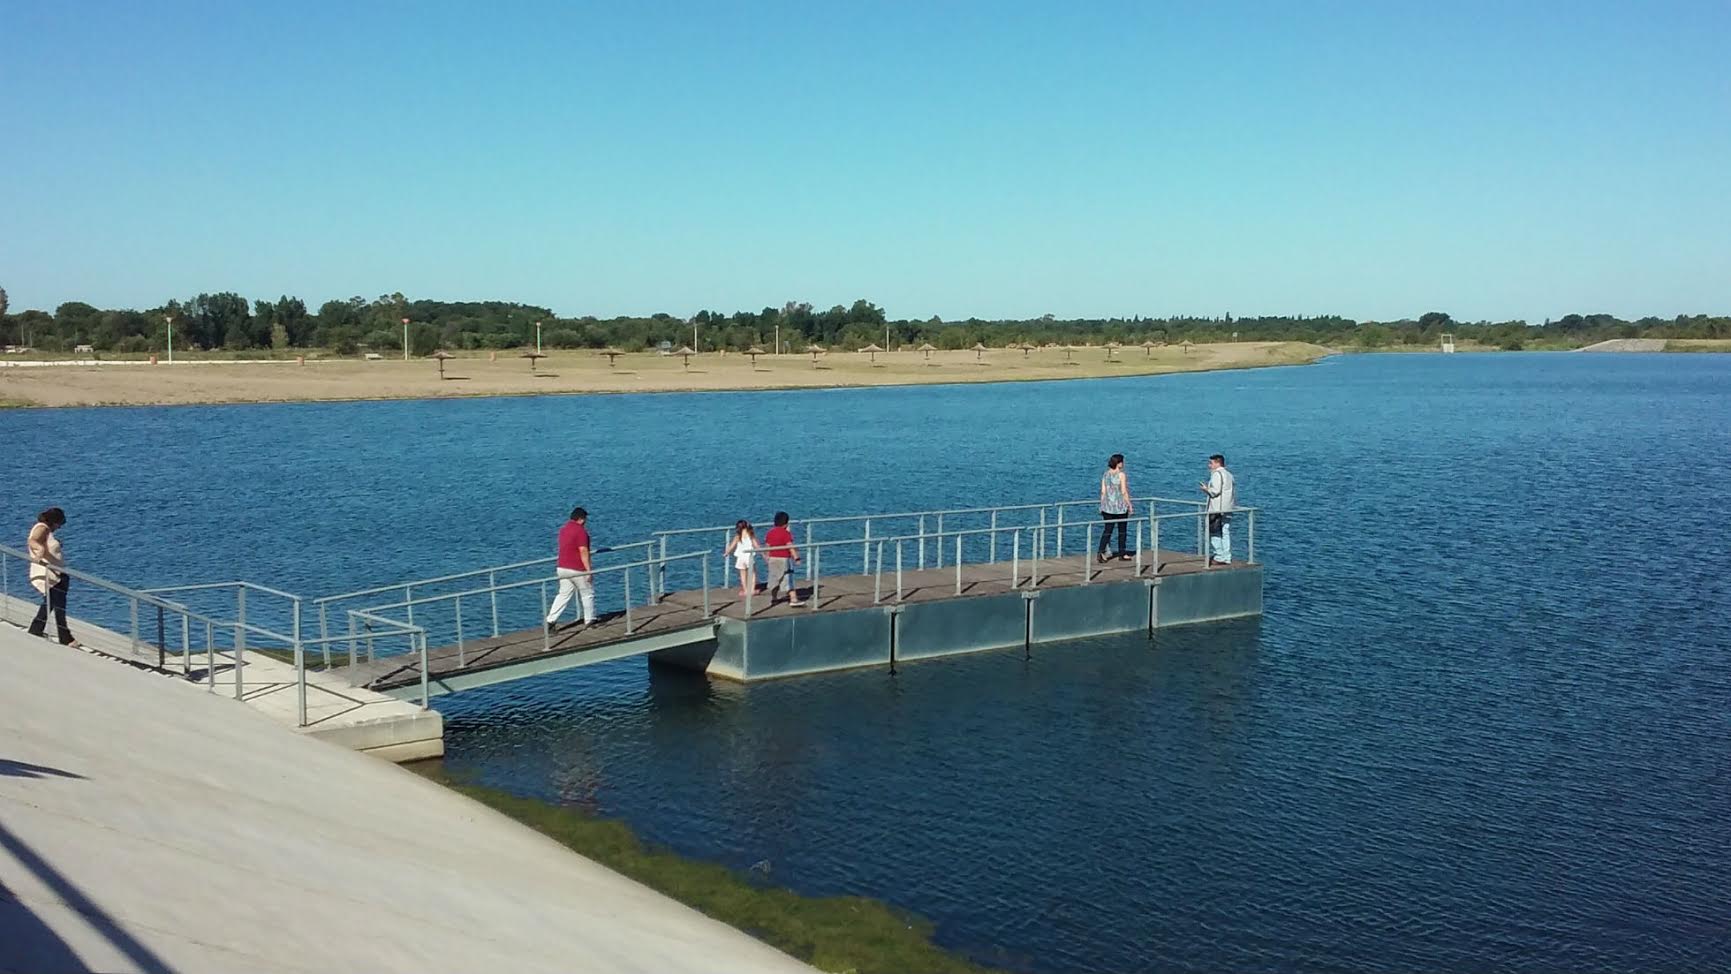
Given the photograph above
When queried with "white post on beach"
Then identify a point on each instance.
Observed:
(405, 339)
(537, 338)
(170, 338)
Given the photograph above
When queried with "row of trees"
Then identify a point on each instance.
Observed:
(226, 320)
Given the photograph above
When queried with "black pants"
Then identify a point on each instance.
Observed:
(1123, 531)
(57, 602)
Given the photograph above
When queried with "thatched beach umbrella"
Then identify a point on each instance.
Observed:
(928, 348)
(1026, 348)
(815, 351)
(686, 351)
(1147, 347)
(754, 351)
(1186, 346)
(872, 350)
(1111, 348)
(532, 355)
(1069, 350)
(979, 350)
(441, 355)
(612, 354)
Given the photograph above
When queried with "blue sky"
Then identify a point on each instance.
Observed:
(1493, 160)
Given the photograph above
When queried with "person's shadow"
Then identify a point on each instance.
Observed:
(24, 769)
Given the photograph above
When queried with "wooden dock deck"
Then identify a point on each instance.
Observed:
(677, 619)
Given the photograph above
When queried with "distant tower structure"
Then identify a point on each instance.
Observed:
(1448, 343)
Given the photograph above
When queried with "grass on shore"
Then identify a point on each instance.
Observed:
(1698, 345)
(849, 934)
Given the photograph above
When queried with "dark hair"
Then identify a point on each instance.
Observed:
(1217, 458)
(744, 526)
(579, 514)
(54, 517)
(780, 519)
(1115, 462)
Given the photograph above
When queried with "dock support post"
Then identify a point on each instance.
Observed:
(1153, 606)
(898, 572)
(992, 545)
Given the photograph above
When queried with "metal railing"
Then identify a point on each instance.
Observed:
(461, 631)
(930, 524)
(232, 634)
(888, 558)
(324, 604)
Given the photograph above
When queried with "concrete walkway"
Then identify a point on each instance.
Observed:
(146, 825)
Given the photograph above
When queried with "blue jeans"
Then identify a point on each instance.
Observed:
(1220, 539)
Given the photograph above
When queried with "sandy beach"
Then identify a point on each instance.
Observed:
(574, 372)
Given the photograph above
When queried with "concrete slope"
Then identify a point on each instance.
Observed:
(149, 826)
(1627, 345)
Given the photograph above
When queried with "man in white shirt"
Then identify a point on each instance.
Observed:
(1222, 501)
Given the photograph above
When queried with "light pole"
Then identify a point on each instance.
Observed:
(405, 339)
(778, 339)
(537, 338)
(170, 319)
(694, 336)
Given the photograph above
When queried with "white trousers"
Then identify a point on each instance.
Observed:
(1221, 543)
(574, 582)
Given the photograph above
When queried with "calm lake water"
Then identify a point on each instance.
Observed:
(1485, 723)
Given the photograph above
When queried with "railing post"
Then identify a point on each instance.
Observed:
(898, 571)
(808, 564)
(209, 656)
(547, 627)
(426, 691)
(132, 600)
(300, 667)
(493, 592)
(1016, 559)
(1138, 549)
(1060, 530)
(367, 625)
(1202, 536)
(867, 552)
(1088, 553)
(239, 641)
(627, 574)
(940, 552)
(922, 542)
(705, 563)
(325, 629)
(462, 657)
(185, 644)
(1154, 544)
(1250, 536)
(1034, 573)
(958, 564)
(992, 544)
(409, 602)
(816, 576)
(660, 584)
(352, 644)
(878, 577)
(161, 638)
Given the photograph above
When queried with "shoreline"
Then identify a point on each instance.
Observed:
(217, 382)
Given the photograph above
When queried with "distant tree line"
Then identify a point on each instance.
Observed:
(227, 321)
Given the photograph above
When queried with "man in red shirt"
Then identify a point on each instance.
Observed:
(781, 555)
(573, 570)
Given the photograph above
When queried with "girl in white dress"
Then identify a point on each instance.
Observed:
(743, 548)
